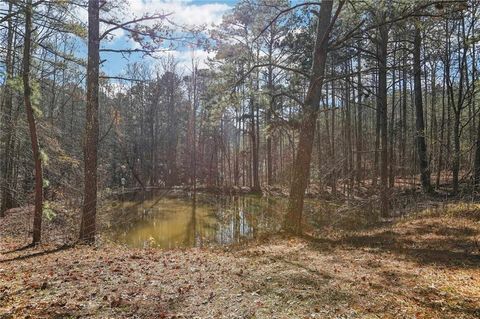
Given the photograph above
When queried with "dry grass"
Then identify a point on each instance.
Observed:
(427, 266)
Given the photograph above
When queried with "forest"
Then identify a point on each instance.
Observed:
(239, 159)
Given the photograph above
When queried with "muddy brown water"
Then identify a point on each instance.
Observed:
(173, 221)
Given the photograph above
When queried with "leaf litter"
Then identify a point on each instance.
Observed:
(422, 267)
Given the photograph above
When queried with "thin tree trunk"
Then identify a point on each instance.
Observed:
(420, 124)
(253, 136)
(333, 164)
(391, 171)
(377, 143)
(269, 118)
(403, 146)
(382, 109)
(7, 125)
(359, 122)
(476, 174)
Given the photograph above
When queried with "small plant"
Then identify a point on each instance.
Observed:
(48, 212)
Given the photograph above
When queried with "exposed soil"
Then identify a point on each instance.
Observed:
(427, 266)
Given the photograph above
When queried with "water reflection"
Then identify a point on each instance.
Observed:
(165, 221)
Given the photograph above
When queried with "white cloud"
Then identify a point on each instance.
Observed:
(184, 58)
(187, 13)
(183, 12)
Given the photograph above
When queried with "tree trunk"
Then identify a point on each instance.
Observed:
(456, 151)
(359, 122)
(419, 123)
(37, 216)
(442, 133)
(88, 226)
(391, 153)
(476, 173)
(172, 134)
(307, 128)
(382, 116)
(253, 136)
(333, 164)
(7, 125)
(268, 112)
(377, 143)
(403, 146)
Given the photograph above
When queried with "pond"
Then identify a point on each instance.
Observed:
(169, 221)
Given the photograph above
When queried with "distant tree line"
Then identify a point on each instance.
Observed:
(351, 98)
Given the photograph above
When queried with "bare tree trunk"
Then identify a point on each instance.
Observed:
(457, 108)
(253, 136)
(333, 164)
(172, 134)
(194, 131)
(456, 151)
(269, 118)
(476, 174)
(377, 144)
(307, 127)
(88, 226)
(382, 116)
(359, 122)
(420, 125)
(37, 216)
(434, 144)
(7, 125)
(392, 171)
(442, 134)
(348, 132)
(403, 146)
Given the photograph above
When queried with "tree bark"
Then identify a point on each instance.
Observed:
(419, 123)
(37, 216)
(307, 128)
(403, 145)
(253, 136)
(172, 134)
(382, 116)
(7, 125)
(359, 172)
(476, 173)
(88, 226)
(268, 112)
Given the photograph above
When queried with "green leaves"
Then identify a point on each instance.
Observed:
(77, 29)
(16, 84)
(36, 98)
(44, 158)
(48, 212)
(46, 183)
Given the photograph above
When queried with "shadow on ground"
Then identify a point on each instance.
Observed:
(451, 241)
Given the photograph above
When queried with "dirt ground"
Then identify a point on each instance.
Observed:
(427, 266)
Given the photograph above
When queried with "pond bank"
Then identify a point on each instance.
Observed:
(426, 266)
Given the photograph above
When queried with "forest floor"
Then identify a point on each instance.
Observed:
(426, 266)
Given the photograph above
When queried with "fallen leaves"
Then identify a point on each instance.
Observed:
(384, 272)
